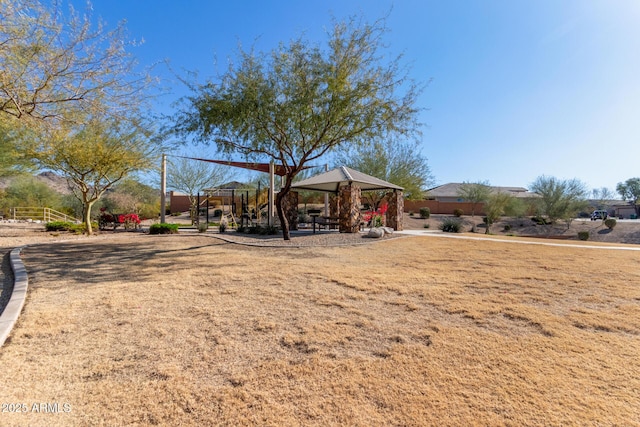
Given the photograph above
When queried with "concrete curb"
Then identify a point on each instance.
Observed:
(11, 312)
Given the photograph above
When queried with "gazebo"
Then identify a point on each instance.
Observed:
(347, 184)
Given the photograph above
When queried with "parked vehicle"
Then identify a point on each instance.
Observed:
(599, 215)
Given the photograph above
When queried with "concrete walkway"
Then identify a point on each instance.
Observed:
(438, 233)
(11, 312)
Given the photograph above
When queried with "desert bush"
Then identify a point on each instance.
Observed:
(538, 220)
(163, 228)
(202, 227)
(610, 223)
(58, 226)
(583, 235)
(425, 213)
(67, 226)
(451, 226)
(458, 212)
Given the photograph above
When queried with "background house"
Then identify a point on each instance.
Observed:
(444, 199)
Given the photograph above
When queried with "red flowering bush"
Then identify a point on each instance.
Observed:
(376, 218)
(129, 221)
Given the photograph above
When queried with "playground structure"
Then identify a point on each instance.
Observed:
(240, 206)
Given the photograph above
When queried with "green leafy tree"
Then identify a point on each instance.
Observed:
(95, 156)
(299, 102)
(474, 193)
(560, 199)
(54, 63)
(495, 206)
(630, 191)
(11, 160)
(398, 162)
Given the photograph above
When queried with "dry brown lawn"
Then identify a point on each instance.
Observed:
(189, 330)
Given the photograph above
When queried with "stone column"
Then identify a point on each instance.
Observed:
(334, 206)
(290, 206)
(395, 210)
(350, 216)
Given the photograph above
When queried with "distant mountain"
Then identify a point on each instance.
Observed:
(51, 179)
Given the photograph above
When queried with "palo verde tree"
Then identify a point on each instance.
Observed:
(58, 68)
(96, 155)
(496, 204)
(475, 193)
(301, 101)
(398, 162)
(630, 191)
(560, 199)
(55, 61)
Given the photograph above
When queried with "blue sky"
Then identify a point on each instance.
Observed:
(518, 88)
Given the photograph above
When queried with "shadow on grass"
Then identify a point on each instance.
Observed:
(96, 262)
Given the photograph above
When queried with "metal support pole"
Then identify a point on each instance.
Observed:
(326, 195)
(163, 188)
(271, 193)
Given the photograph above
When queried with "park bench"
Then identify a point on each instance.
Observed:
(114, 220)
(330, 223)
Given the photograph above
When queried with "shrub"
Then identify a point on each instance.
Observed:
(610, 223)
(59, 226)
(426, 225)
(507, 227)
(163, 228)
(268, 230)
(451, 226)
(68, 226)
(540, 220)
(458, 212)
(425, 213)
(583, 235)
(202, 227)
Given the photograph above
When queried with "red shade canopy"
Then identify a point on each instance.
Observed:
(260, 167)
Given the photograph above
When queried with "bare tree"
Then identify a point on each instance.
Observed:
(192, 176)
(602, 195)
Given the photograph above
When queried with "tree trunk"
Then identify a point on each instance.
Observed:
(86, 216)
(284, 221)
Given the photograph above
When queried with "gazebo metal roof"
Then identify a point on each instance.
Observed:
(331, 181)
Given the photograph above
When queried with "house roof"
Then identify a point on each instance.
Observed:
(331, 181)
(452, 189)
